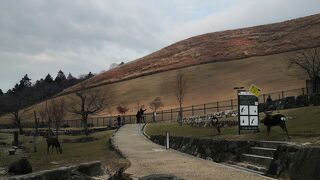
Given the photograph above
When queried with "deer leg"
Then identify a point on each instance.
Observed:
(268, 130)
(284, 128)
(48, 149)
(52, 149)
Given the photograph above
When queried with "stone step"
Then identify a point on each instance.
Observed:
(256, 159)
(270, 144)
(243, 167)
(261, 151)
(252, 167)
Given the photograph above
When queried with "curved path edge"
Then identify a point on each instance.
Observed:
(147, 158)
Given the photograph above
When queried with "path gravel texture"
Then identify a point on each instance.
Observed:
(147, 158)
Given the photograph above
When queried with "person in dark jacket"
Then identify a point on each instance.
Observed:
(119, 121)
(269, 103)
(142, 115)
(138, 116)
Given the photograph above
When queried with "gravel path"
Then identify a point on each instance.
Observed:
(148, 158)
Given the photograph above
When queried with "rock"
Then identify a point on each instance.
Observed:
(3, 144)
(306, 164)
(315, 99)
(160, 177)
(79, 140)
(289, 102)
(75, 172)
(12, 151)
(91, 169)
(302, 100)
(21, 166)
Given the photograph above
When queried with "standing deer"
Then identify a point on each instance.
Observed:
(275, 120)
(54, 143)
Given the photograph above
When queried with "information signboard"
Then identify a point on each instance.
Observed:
(248, 115)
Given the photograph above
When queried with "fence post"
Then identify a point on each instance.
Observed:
(204, 108)
(130, 119)
(302, 91)
(171, 114)
(231, 104)
(162, 115)
(192, 111)
(264, 98)
(217, 106)
(282, 94)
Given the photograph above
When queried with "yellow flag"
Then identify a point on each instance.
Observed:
(254, 90)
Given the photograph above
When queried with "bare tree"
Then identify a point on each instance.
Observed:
(43, 115)
(14, 105)
(48, 112)
(57, 109)
(155, 105)
(307, 62)
(36, 123)
(113, 65)
(122, 108)
(180, 91)
(87, 102)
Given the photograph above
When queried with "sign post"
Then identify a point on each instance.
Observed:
(248, 114)
(167, 140)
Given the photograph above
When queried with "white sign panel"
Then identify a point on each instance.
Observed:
(244, 110)
(244, 121)
(254, 120)
(253, 110)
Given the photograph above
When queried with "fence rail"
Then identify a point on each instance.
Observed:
(171, 115)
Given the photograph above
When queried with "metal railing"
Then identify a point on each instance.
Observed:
(171, 115)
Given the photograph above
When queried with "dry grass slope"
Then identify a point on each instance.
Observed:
(214, 63)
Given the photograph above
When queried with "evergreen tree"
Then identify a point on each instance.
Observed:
(39, 82)
(16, 88)
(9, 92)
(70, 77)
(48, 79)
(25, 82)
(60, 77)
(1, 92)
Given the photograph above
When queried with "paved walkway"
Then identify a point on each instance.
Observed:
(148, 158)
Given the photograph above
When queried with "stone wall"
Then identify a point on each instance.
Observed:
(81, 171)
(290, 161)
(216, 150)
(296, 162)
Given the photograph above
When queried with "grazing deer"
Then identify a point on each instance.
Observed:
(54, 143)
(275, 120)
(216, 123)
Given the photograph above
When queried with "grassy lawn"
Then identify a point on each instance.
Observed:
(303, 126)
(72, 152)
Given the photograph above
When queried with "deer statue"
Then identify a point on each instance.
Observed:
(275, 120)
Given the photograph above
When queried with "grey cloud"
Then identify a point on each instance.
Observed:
(39, 37)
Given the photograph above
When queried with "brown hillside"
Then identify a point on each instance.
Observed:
(220, 46)
(214, 64)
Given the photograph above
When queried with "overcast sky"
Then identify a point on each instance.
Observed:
(39, 37)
